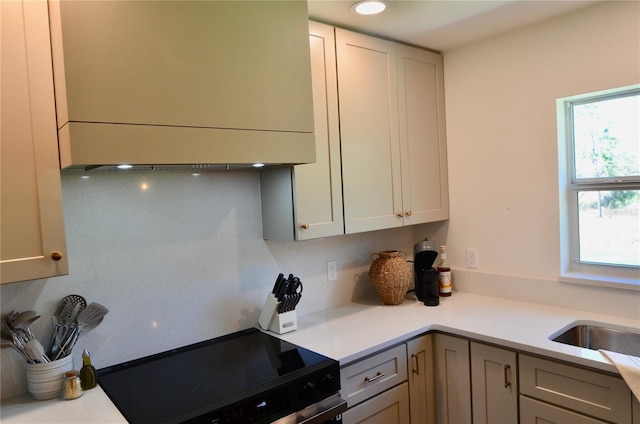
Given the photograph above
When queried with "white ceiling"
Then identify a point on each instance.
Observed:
(442, 24)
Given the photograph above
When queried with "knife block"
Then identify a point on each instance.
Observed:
(271, 320)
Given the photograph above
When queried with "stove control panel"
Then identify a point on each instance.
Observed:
(273, 404)
(319, 386)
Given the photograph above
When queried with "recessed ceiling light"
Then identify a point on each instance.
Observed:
(369, 7)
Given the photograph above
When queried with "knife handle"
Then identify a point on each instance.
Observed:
(277, 283)
(284, 286)
(297, 285)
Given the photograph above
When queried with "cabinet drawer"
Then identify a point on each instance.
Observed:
(391, 407)
(533, 411)
(593, 393)
(367, 378)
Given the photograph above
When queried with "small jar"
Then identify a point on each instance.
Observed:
(72, 388)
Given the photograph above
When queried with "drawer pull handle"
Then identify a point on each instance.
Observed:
(507, 383)
(415, 370)
(377, 376)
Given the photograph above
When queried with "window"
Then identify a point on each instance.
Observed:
(600, 186)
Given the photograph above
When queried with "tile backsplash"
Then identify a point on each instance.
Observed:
(179, 258)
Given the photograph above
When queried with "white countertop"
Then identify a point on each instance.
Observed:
(92, 407)
(352, 332)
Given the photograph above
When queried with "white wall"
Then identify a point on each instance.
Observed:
(502, 145)
(179, 262)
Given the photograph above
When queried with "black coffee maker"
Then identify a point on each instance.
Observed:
(426, 277)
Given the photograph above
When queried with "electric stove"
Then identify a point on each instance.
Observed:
(245, 377)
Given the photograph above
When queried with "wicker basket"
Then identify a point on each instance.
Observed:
(391, 275)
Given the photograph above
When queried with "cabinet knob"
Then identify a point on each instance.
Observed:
(56, 256)
(305, 226)
(408, 213)
(399, 215)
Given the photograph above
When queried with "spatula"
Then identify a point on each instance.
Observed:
(91, 316)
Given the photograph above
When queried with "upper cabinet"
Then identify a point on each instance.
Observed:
(423, 141)
(305, 201)
(182, 82)
(371, 172)
(380, 142)
(33, 241)
(392, 129)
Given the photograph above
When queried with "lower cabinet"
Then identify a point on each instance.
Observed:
(479, 383)
(470, 373)
(562, 388)
(393, 386)
(444, 379)
(533, 412)
(422, 391)
(390, 407)
(494, 384)
(366, 378)
(453, 380)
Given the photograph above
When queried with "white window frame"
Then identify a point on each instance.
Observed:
(571, 269)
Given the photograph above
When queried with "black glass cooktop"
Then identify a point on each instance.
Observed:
(184, 383)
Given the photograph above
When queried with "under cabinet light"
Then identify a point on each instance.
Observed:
(125, 166)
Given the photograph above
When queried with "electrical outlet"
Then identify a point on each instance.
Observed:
(472, 258)
(332, 271)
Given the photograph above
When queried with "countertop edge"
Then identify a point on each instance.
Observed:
(475, 317)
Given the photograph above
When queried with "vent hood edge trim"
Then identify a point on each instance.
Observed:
(89, 144)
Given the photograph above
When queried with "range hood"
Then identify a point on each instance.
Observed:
(88, 145)
(182, 82)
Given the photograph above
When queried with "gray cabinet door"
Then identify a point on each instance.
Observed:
(453, 380)
(494, 385)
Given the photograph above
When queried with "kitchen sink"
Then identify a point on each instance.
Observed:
(600, 336)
